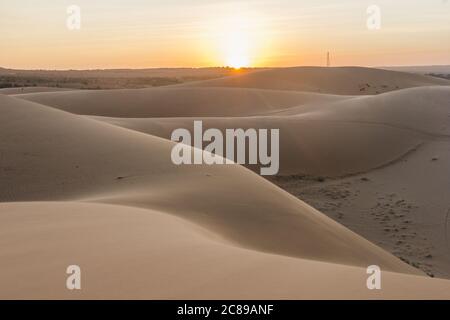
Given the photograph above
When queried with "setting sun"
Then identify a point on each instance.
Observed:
(237, 43)
(238, 60)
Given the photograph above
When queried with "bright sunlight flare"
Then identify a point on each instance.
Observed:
(237, 43)
(238, 40)
(237, 50)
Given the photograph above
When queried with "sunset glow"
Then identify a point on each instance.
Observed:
(237, 44)
(191, 33)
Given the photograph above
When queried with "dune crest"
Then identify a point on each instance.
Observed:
(336, 80)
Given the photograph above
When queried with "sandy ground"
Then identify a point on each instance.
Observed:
(339, 80)
(403, 207)
(128, 253)
(96, 165)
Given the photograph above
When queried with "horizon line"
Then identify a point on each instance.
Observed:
(222, 67)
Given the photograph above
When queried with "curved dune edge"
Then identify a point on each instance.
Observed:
(307, 147)
(336, 138)
(130, 253)
(60, 156)
(177, 101)
(321, 135)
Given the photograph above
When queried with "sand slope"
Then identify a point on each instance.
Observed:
(424, 109)
(129, 253)
(60, 156)
(403, 207)
(334, 138)
(108, 194)
(176, 101)
(321, 135)
(338, 80)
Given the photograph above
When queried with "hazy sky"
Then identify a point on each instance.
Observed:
(197, 33)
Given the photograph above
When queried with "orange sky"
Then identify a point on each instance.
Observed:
(196, 33)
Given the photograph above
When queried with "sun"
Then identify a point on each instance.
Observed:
(238, 61)
(237, 40)
(237, 45)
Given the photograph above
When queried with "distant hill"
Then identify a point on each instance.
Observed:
(109, 78)
(336, 80)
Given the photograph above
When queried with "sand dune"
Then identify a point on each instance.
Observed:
(339, 80)
(165, 258)
(403, 206)
(316, 148)
(335, 138)
(423, 109)
(97, 164)
(176, 101)
(55, 155)
(321, 135)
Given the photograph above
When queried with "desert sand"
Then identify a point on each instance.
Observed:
(338, 80)
(87, 179)
(129, 253)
